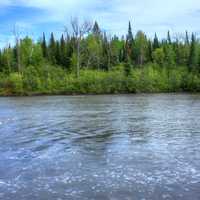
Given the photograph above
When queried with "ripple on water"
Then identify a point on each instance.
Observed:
(100, 147)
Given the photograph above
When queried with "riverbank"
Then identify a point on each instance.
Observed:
(93, 94)
(52, 80)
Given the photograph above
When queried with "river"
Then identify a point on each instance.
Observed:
(114, 147)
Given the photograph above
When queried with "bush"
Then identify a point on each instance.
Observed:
(14, 84)
(31, 80)
(49, 79)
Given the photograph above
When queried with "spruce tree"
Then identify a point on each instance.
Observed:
(129, 37)
(58, 54)
(52, 49)
(129, 42)
(62, 51)
(169, 38)
(155, 42)
(44, 46)
(96, 30)
(192, 61)
(187, 42)
(69, 52)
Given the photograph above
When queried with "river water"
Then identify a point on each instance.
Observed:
(115, 147)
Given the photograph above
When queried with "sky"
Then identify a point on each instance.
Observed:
(32, 17)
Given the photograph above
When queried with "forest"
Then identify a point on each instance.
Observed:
(89, 61)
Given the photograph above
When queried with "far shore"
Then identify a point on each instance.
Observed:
(32, 94)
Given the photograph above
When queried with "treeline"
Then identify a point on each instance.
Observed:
(36, 66)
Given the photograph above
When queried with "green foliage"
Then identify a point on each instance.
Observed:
(13, 85)
(159, 56)
(193, 59)
(37, 56)
(105, 64)
(49, 79)
(44, 47)
(170, 56)
(140, 48)
(94, 52)
(26, 51)
(31, 81)
(127, 69)
(52, 49)
(155, 42)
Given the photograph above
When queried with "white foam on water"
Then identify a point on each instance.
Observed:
(2, 182)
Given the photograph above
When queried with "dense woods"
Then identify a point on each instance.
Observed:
(88, 60)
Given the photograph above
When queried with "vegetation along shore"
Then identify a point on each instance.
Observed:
(89, 61)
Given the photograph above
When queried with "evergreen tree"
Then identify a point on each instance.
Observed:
(58, 53)
(187, 42)
(44, 46)
(52, 49)
(69, 53)
(129, 38)
(129, 42)
(169, 38)
(96, 30)
(155, 42)
(192, 61)
(106, 62)
(62, 51)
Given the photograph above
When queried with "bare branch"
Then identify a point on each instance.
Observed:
(78, 32)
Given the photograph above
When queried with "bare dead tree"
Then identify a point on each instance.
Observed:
(79, 30)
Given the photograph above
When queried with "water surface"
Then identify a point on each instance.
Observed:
(100, 147)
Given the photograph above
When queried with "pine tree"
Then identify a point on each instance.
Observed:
(106, 53)
(69, 52)
(192, 61)
(44, 46)
(96, 30)
(58, 53)
(155, 42)
(62, 51)
(129, 37)
(187, 42)
(129, 42)
(169, 38)
(52, 49)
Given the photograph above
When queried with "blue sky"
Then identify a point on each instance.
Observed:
(35, 16)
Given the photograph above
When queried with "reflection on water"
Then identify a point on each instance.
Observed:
(100, 147)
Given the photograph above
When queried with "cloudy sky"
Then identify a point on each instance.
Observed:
(36, 16)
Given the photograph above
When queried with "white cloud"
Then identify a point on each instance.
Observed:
(148, 15)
